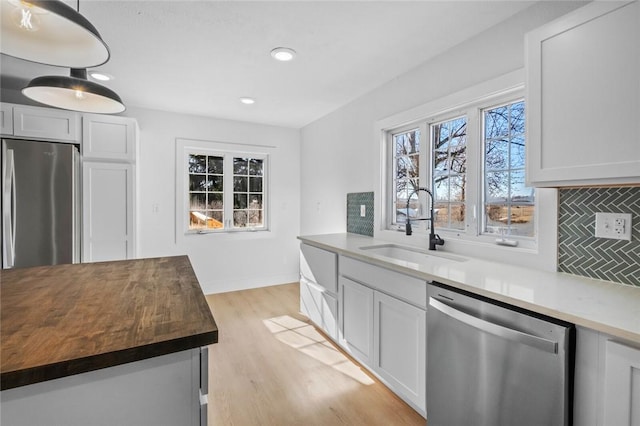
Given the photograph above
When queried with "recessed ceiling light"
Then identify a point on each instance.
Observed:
(100, 76)
(283, 54)
(247, 101)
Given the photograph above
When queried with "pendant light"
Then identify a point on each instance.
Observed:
(50, 32)
(74, 93)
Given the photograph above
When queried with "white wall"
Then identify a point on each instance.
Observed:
(340, 151)
(222, 262)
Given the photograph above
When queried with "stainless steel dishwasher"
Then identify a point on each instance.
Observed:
(489, 364)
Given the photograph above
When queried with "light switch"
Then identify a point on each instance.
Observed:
(363, 210)
(616, 226)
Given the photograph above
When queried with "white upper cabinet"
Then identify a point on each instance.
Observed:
(107, 137)
(43, 123)
(583, 97)
(6, 119)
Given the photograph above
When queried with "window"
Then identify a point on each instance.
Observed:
(406, 181)
(508, 203)
(474, 164)
(226, 191)
(449, 145)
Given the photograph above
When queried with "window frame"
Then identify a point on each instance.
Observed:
(228, 156)
(472, 107)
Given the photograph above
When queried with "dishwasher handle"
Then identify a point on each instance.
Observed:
(495, 329)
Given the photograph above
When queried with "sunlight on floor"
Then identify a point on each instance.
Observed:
(306, 339)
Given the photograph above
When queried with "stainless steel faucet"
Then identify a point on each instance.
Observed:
(434, 239)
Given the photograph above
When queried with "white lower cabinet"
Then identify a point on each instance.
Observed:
(107, 211)
(320, 306)
(400, 342)
(383, 324)
(607, 381)
(356, 315)
(621, 385)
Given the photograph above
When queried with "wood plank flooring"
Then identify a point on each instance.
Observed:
(271, 367)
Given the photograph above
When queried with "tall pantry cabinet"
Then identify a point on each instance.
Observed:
(109, 145)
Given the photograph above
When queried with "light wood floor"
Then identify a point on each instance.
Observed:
(271, 367)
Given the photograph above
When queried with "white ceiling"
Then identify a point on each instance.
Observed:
(200, 57)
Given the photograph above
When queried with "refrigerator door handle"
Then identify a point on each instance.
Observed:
(495, 329)
(9, 212)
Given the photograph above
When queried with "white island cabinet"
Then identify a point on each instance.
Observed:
(583, 97)
(109, 146)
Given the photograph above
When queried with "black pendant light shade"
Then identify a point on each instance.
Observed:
(50, 32)
(74, 93)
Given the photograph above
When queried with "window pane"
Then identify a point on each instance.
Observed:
(256, 167)
(517, 152)
(197, 163)
(197, 183)
(255, 201)
(197, 201)
(215, 183)
(497, 155)
(239, 184)
(497, 187)
(449, 150)
(509, 204)
(255, 217)
(496, 122)
(216, 201)
(255, 184)
(215, 165)
(240, 166)
(239, 201)
(407, 143)
(240, 218)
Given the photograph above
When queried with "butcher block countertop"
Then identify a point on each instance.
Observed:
(61, 320)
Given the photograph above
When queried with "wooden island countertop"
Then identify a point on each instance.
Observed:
(62, 320)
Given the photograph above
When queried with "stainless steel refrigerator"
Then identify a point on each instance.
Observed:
(40, 203)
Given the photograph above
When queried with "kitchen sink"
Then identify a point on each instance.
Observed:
(410, 254)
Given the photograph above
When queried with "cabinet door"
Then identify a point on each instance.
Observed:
(621, 385)
(356, 319)
(400, 342)
(320, 306)
(319, 266)
(6, 119)
(583, 97)
(46, 123)
(108, 212)
(108, 137)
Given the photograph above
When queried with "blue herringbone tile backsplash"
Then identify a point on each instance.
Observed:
(355, 223)
(580, 253)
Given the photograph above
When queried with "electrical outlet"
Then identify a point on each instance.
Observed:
(616, 226)
(363, 210)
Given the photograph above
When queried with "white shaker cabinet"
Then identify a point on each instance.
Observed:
(356, 320)
(583, 97)
(109, 216)
(621, 385)
(400, 342)
(319, 288)
(6, 119)
(106, 137)
(383, 323)
(29, 122)
(108, 211)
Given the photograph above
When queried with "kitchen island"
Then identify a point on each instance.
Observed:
(104, 343)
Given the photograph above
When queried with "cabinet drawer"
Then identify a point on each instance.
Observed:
(393, 283)
(319, 266)
(320, 306)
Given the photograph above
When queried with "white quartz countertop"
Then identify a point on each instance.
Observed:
(599, 305)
